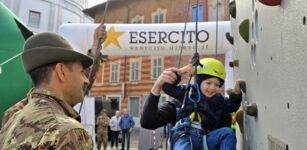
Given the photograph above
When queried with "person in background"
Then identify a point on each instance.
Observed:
(115, 129)
(126, 123)
(102, 122)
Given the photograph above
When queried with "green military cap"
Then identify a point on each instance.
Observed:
(47, 48)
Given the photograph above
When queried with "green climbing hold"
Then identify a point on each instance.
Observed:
(244, 30)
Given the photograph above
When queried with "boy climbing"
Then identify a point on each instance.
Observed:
(202, 107)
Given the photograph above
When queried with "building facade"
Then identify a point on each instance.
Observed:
(48, 15)
(125, 82)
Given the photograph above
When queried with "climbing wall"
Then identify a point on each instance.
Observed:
(270, 44)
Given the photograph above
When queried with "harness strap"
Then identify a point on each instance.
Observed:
(192, 117)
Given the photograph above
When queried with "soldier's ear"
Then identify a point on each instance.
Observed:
(60, 72)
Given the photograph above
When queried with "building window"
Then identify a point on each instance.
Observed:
(156, 64)
(135, 70)
(134, 103)
(114, 102)
(137, 19)
(34, 18)
(200, 13)
(114, 72)
(159, 16)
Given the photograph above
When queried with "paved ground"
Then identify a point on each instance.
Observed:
(143, 139)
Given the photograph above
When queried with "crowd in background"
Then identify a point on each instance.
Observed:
(121, 125)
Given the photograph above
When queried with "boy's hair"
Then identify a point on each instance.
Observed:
(202, 77)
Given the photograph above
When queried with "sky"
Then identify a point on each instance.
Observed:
(94, 2)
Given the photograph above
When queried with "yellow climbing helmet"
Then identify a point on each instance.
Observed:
(212, 67)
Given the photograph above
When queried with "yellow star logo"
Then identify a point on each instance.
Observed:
(112, 37)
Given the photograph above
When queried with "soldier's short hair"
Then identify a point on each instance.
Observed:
(43, 74)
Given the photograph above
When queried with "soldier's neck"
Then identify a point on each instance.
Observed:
(52, 89)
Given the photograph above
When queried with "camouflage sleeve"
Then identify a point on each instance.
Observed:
(98, 120)
(106, 122)
(76, 139)
(12, 110)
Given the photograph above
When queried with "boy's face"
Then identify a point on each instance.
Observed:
(210, 87)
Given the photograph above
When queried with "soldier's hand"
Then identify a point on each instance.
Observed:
(167, 76)
(130, 130)
(100, 33)
(186, 69)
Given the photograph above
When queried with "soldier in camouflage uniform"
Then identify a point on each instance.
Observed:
(45, 119)
(102, 122)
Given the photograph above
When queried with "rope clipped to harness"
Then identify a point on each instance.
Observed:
(194, 97)
(195, 87)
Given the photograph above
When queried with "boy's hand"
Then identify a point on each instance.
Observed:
(237, 87)
(229, 91)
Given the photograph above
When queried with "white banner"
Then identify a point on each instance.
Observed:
(150, 39)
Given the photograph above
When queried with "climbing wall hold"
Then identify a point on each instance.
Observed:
(234, 63)
(270, 2)
(244, 30)
(251, 109)
(232, 9)
(229, 38)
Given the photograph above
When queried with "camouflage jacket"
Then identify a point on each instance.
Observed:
(45, 122)
(102, 124)
(12, 110)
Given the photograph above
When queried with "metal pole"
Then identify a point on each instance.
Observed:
(96, 59)
(217, 27)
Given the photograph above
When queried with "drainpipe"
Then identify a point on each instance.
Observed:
(125, 62)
